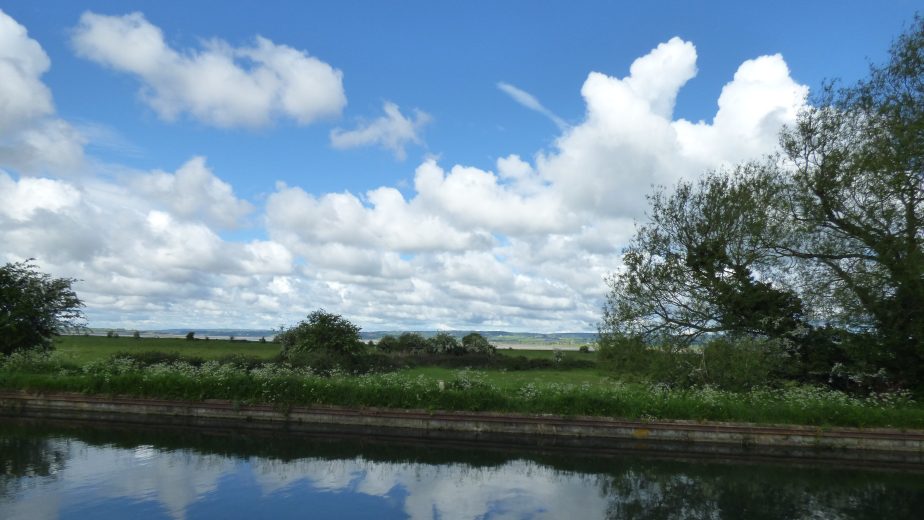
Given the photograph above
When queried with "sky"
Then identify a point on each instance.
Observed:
(410, 165)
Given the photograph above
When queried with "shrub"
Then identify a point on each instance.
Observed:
(443, 343)
(322, 332)
(412, 342)
(190, 336)
(740, 364)
(624, 353)
(388, 343)
(476, 343)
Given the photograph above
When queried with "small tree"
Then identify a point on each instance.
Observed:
(34, 307)
(190, 336)
(443, 343)
(412, 342)
(322, 332)
(136, 335)
(388, 343)
(476, 343)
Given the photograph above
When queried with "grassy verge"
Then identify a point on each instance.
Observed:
(583, 393)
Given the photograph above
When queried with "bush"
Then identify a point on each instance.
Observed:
(627, 354)
(476, 343)
(322, 332)
(190, 336)
(388, 343)
(740, 365)
(156, 357)
(443, 343)
(412, 342)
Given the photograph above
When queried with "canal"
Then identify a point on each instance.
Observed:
(51, 472)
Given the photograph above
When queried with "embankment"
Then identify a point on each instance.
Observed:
(682, 438)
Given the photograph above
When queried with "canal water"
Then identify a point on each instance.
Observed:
(50, 472)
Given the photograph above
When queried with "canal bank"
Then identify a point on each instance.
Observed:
(708, 439)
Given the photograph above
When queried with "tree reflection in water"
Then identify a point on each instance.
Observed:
(25, 458)
(188, 475)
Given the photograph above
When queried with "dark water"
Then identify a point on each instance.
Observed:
(50, 472)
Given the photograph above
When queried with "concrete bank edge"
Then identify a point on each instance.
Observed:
(861, 445)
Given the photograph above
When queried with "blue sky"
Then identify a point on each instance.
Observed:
(276, 211)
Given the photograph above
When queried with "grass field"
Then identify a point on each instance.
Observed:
(84, 364)
(82, 349)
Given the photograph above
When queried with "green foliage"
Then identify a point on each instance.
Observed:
(324, 334)
(443, 343)
(624, 354)
(857, 200)
(412, 342)
(476, 343)
(34, 307)
(828, 236)
(388, 343)
(190, 336)
(468, 390)
(741, 365)
(724, 363)
(136, 335)
(693, 269)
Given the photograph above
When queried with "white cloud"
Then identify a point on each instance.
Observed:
(32, 140)
(629, 141)
(529, 244)
(23, 96)
(529, 101)
(393, 131)
(194, 191)
(761, 98)
(218, 84)
(522, 246)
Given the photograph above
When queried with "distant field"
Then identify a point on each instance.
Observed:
(81, 349)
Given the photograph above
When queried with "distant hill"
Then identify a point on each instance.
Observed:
(494, 336)
(501, 336)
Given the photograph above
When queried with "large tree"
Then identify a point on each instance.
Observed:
(701, 264)
(856, 201)
(34, 307)
(831, 232)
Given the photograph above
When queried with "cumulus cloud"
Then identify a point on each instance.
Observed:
(521, 244)
(219, 84)
(393, 131)
(530, 242)
(529, 101)
(194, 191)
(629, 142)
(32, 139)
(140, 258)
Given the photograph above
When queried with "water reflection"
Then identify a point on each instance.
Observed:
(92, 474)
